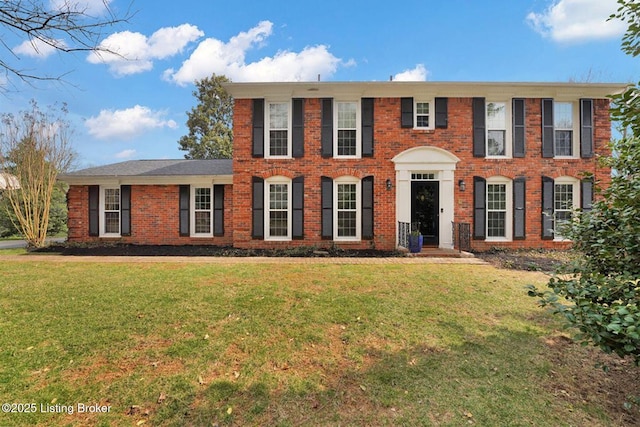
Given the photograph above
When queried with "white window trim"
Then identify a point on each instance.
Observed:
(432, 115)
(508, 237)
(358, 154)
(102, 223)
(563, 180)
(267, 129)
(267, 208)
(192, 211)
(347, 180)
(508, 135)
(575, 141)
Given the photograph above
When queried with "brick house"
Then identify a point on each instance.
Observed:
(358, 164)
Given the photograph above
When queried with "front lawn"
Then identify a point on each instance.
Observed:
(288, 344)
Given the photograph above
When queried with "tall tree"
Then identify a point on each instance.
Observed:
(210, 122)
(600, 295)
(34, 147)
(61, 25)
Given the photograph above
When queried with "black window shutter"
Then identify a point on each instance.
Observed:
(547, 128)
(547, 207)
(327, 207)
(297, 128)
(442, 113)
(326, 134)
(367, 208)
(297, 227)
(406, 112)
(586, 128)
(258, 128)
(519, 208)
(479, 127)
(258, 208)
(367, 127)
(586, 194)
(125, 210)
(519, 134)
(479, 208)
(185, 191)
(218, 210)
(94, 210)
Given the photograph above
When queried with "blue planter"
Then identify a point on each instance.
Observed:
(415, 243)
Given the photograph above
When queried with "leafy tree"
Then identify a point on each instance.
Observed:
(600, 295)
(64, 26)
(210, 122)
(34, 147)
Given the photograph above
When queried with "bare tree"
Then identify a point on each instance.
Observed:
(61, 25)
(34, 148)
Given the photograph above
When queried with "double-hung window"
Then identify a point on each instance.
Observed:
(563, 128)
(202, 211)
(111, 211)
(347, 211)
(278, 129)
(347, 130)
(499, 208)
(563, 205)
(496, 129)
(278, 218)
(422, 118)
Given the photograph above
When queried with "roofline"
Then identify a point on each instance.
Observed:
(391, 89)
(144, 179)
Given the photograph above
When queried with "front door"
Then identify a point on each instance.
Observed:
(425, 210)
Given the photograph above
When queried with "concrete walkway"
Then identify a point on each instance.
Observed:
(34, 258)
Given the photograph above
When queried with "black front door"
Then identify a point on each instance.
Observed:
(425, 210)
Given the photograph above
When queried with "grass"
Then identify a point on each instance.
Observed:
(277, 344)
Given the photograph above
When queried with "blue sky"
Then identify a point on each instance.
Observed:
(136, 108)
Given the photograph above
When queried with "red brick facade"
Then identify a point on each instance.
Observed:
(154, 208)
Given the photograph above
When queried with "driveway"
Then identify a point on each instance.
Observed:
(15, 244)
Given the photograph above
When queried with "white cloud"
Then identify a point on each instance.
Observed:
(134, 52)
(126, 124)
(37, 48)
(577, 20)
(214, 56)
(125, 154)
(418, 74)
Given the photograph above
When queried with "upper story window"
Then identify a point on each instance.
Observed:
(563, 128)
(423, 115)
(278, 132)
(111, 211)
(346, 135)
(202, 212)
(496, 129)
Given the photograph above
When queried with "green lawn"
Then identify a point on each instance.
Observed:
(277, 344)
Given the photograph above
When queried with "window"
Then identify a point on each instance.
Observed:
(278, 218)
(496, 129)
(562, 207)
(278, 130)
(346, 137)
(563, 128)
(347, 212)
(111, 211)
(423, 115)
(202, 212)
(499, 208)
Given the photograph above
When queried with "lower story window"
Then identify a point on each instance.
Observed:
(278, 212)
(563, 207)
(111, 211)
(496, 210)
(347, 208)
(202, 212)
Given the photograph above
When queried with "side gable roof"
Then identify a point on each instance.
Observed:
(154, 172)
